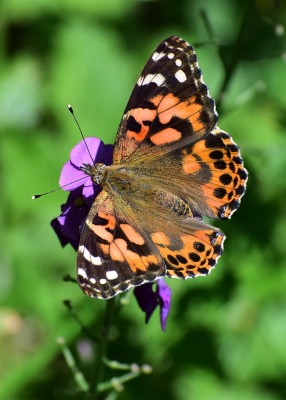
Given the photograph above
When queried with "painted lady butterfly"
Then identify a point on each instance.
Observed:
(171, 165)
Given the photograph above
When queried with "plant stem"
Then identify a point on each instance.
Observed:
(110, 307)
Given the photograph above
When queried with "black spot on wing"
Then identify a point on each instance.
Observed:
(194, 257)
(225, 179)
(220, 164)
(216, 155)
(133, 125)
(220, 192)
(213, 141)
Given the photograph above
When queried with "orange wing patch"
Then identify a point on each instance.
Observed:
(137, 127)
(103, 231)
(166, 136)
(132, 235)
(171, 106)
(191, 255)
(133, 259)
(160, 238)
(190, 163)
(140, 120)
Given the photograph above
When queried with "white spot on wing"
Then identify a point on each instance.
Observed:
(89, 257)
(157, 56)
(111, 275)
(171, 56)
(178, 62)
(180, 76)
(140, 80)
(81, 272)
(95, 260)
(92, 280)
(159, 79)
(86, 254)
(102, 281)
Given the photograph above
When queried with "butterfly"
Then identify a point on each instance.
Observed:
(172, 165)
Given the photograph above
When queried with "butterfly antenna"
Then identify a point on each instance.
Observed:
(83, 138)
(36, 196)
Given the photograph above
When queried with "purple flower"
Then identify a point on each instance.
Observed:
(88, 151)
(68, 225)
(148, 300)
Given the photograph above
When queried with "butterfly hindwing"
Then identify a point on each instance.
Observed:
(188, 255)
(228, 176)
(213, 171)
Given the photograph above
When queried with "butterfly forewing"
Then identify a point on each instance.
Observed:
(115, 253)
(169, 105)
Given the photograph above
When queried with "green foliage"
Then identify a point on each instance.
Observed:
(225, 335)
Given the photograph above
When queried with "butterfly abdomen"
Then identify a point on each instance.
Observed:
(173, 203)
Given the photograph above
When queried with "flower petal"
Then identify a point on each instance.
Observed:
(90, 191)
(146, 298)
(71, 178)
(164, 294)
(106, 156)
(87, 151)
(68, 225)
(57, 227)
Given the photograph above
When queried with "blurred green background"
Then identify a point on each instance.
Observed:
(226, 334)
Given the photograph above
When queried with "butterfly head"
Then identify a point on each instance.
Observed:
(97, 172)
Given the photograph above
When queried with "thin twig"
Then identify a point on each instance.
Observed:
(77, 374)
(231, 62)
